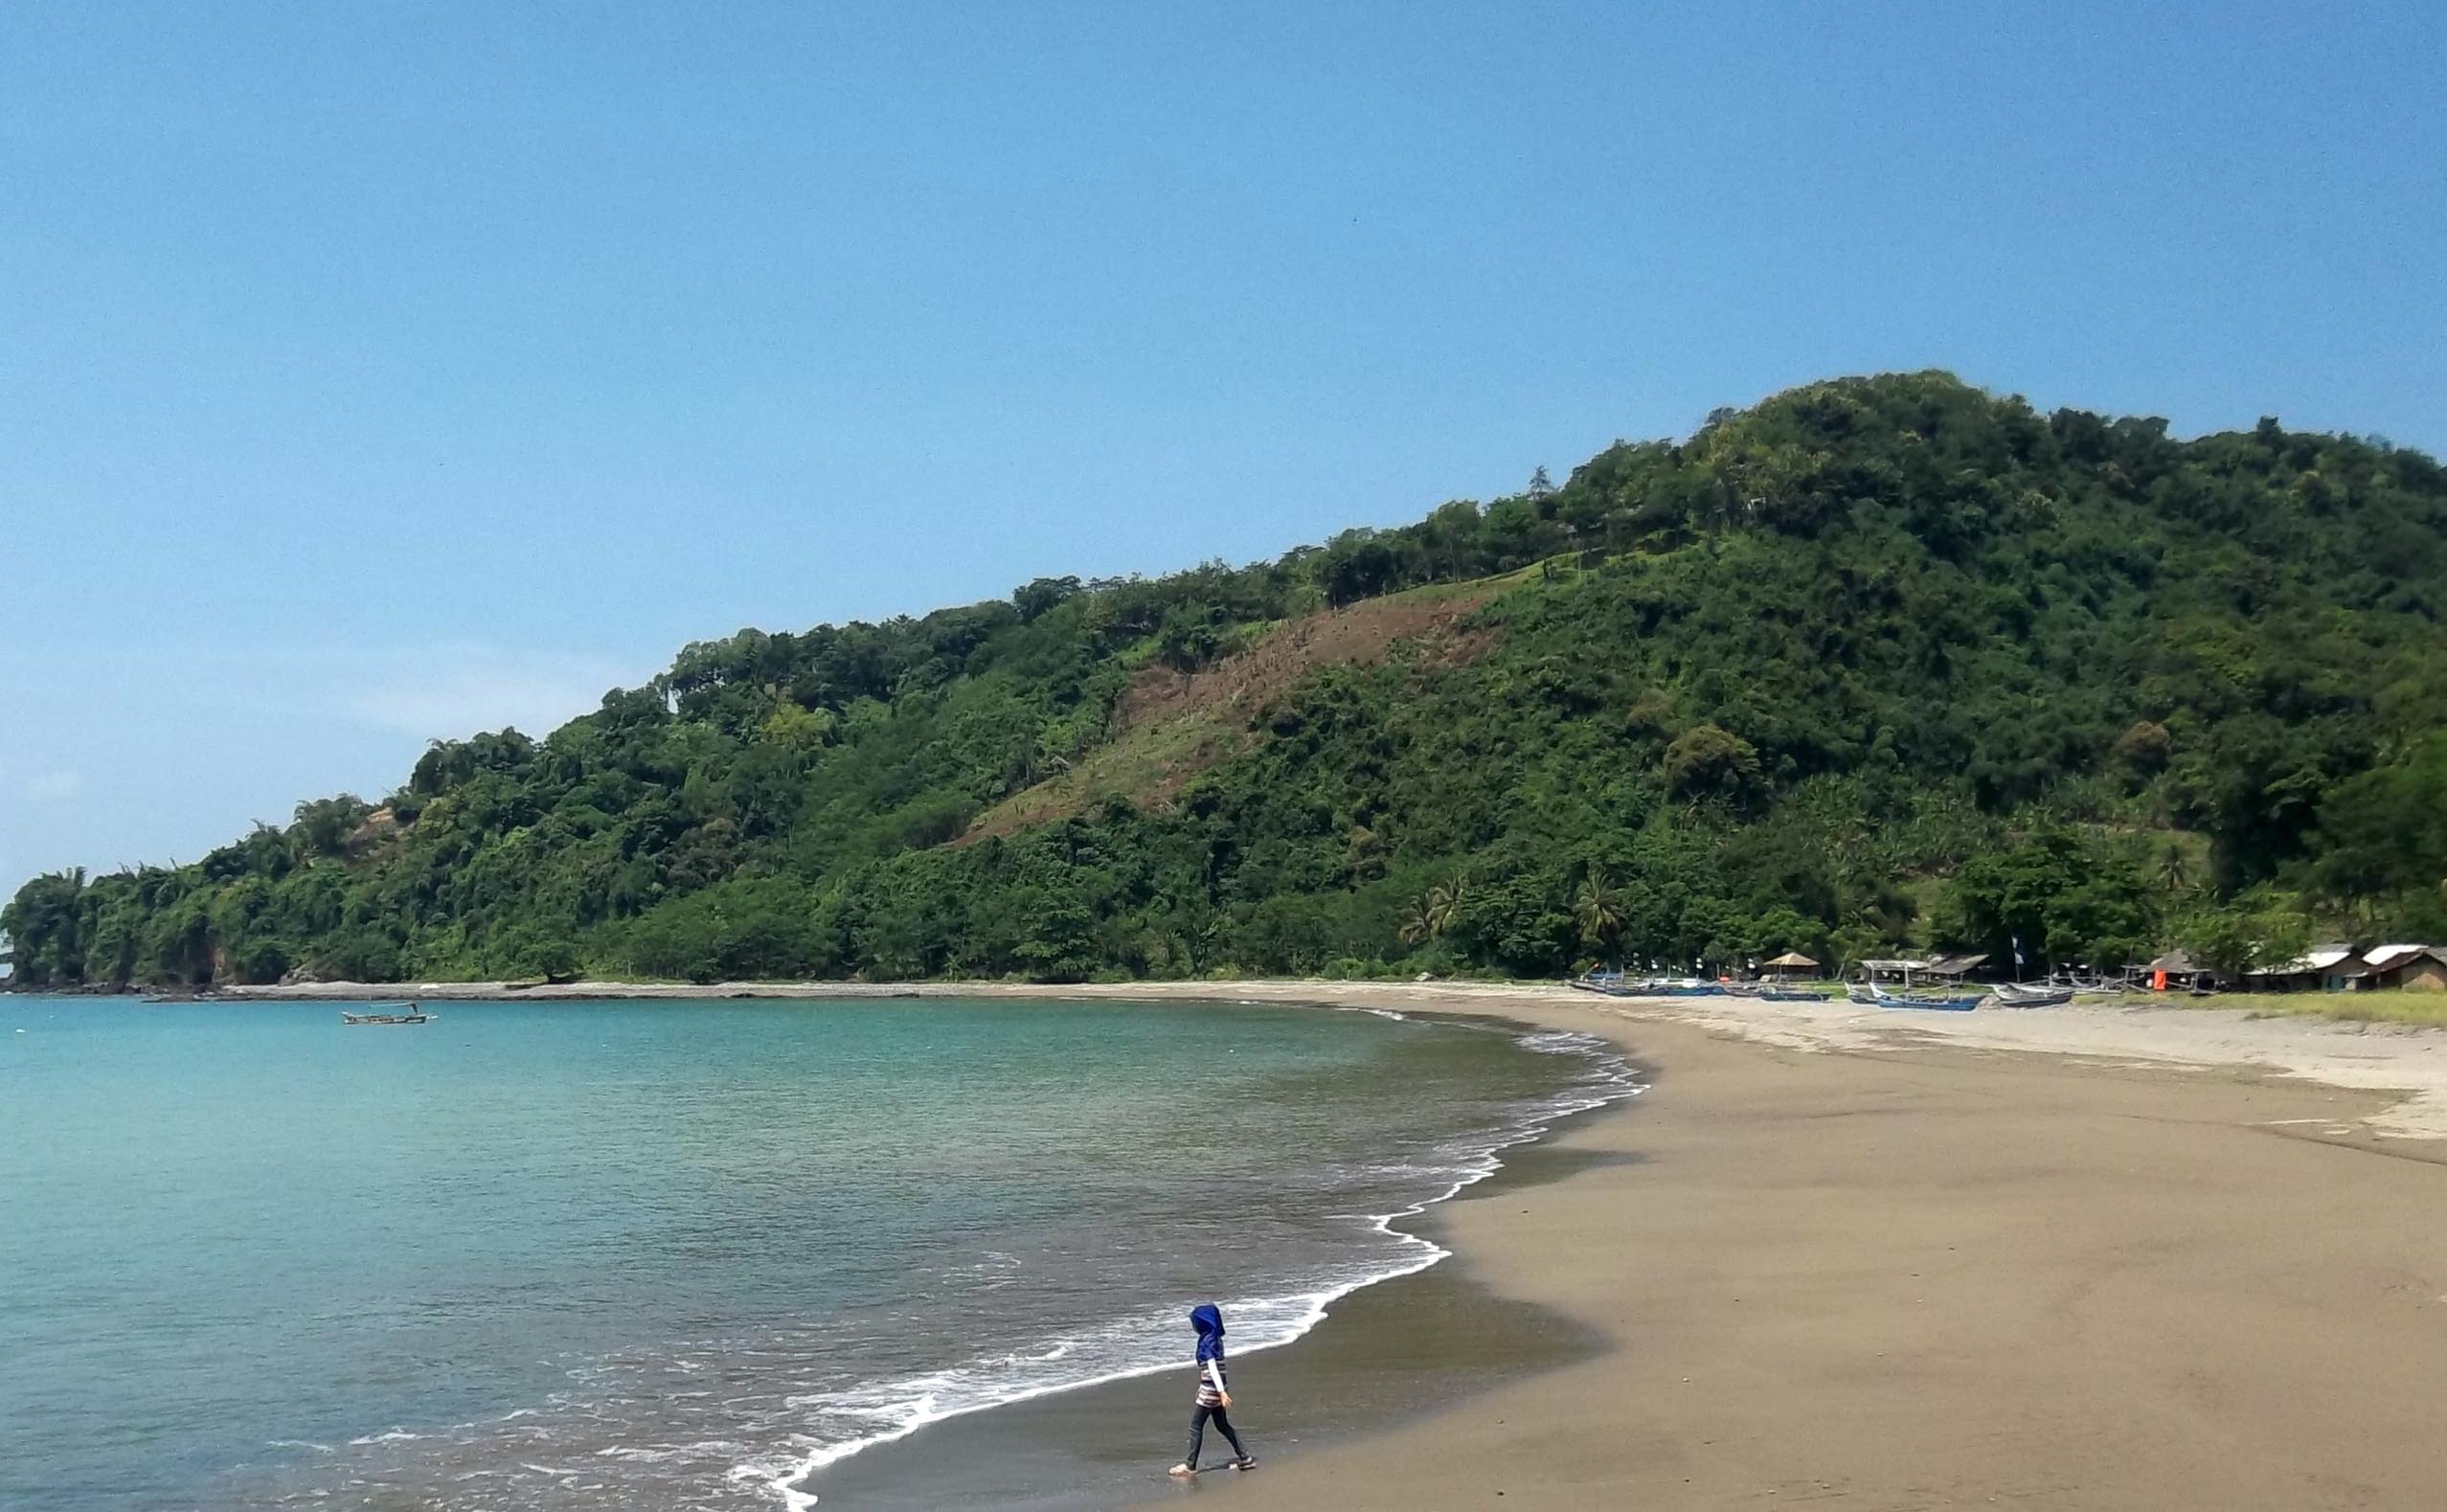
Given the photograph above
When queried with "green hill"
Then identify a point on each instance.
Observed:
(1883, 660)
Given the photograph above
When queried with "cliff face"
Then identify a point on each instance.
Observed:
(1882, 661)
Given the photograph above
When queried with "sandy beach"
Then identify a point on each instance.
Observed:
(1947, 1277)
(2096, 1257)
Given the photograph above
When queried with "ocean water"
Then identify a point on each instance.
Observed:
(675, 1254)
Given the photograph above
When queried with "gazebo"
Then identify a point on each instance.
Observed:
(1788, 965)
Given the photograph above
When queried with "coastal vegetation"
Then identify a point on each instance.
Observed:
(2420, 1009)
(1881, 664)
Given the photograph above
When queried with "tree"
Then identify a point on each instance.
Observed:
(2174, 872)
(1596, 909)
(1434, 912)
(2258, 929)
(1707, 762)
(2066, 897)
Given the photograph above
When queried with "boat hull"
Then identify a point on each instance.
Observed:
(2012, 996)
(1950, 1002)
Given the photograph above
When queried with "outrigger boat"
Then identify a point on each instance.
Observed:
(2014, 995)
(1676, 987)
(1782, 994)
(1952, 1003)
(1615, 985)
(413, 1015)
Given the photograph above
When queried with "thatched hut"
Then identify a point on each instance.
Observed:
(1785, 967)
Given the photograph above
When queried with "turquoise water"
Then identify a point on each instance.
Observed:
(670, 1254)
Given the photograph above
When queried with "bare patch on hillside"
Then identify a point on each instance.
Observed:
(1173, 725)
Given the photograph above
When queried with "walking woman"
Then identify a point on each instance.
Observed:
(1214, 1398)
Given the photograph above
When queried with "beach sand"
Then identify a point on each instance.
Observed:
(1903, 1275)
(1840, 1258)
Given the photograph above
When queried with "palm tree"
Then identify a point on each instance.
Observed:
(2174, 870)
(1433, 913)
(1597, 909)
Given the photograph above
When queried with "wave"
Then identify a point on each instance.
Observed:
(885, 1411)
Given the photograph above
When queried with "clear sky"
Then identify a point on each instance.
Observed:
(370, 373)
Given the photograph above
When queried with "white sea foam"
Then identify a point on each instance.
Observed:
(1148, 1344)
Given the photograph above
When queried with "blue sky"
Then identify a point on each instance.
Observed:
(369, 374)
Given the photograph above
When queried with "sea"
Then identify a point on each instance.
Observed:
(678, 1254)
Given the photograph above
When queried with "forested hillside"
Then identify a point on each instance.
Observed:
(1881, 662)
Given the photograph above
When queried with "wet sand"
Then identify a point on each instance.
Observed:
(1393, 1352)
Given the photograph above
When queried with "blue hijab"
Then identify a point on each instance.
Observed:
(1208, 1319)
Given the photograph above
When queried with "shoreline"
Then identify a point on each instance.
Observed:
(926, 1464)
(2086, 1257)
(2175, 1262)
(2109, 1258)
(1389, 1353)
(2369, 1056)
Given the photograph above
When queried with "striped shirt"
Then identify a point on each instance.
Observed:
(1211, 1382)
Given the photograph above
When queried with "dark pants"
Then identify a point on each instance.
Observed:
(1198, 1433)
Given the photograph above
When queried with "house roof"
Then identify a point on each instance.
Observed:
(2387, 957)
(2405, 956)
(2174, 960)
(1896, 965)
(2320, 958)
(1792, 958)
(1956, 966)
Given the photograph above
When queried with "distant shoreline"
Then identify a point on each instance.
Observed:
(2409, 1061)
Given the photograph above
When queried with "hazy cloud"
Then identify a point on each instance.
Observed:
(161, 754)
(52, 787)
(457, 690)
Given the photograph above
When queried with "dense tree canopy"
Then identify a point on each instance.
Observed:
(1881, 662)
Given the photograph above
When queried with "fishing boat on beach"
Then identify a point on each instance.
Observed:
(1676, 987)
(1615, 985)
(1775, 992)
(410, 1014)
(2015, 995)
(1943, 1002)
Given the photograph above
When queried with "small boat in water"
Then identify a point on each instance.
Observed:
(411, 1014)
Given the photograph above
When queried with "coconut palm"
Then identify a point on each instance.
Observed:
(2174, 868)
(1433, 913)
(1597, 909)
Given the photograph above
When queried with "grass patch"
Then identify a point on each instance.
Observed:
(1142, 762)
(1558, 567)
(2425, 1010)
